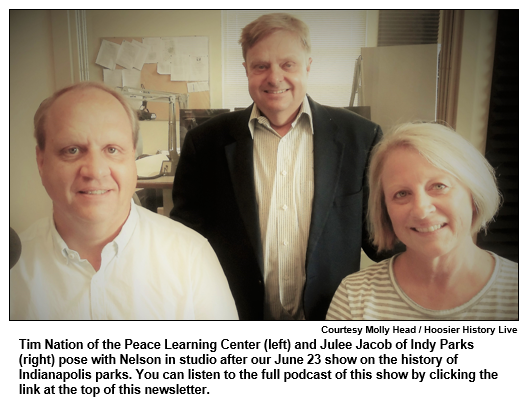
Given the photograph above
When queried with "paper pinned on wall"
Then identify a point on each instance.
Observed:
(180, 70)
(142, 53)
(167, 57)
(192, 45)
(155, 49)
(126, 55)
(107, 55)
(187, 68)
(169, 46)
(199, 68)
(183, 58)
(164, 67)
(132, 78)
(197, 86)
(113, 78)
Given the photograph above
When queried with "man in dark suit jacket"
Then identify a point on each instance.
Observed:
(214, 188)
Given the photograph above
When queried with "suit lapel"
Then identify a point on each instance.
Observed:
(328, 151)
(239, 156)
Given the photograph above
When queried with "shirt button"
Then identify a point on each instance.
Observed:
(284, 207)
(283, 172)
(71, 256)
(285, 243)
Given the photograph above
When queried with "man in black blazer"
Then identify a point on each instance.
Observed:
(215, 189)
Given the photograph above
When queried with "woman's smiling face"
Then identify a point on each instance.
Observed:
(430, 210)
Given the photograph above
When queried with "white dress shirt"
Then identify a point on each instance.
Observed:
(283, 174)
(155, 268)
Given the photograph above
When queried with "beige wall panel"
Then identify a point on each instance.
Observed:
(475, 79)
(399, 83)
(31, 80)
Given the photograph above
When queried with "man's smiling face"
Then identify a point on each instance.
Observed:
(88, 162)
(277, 68)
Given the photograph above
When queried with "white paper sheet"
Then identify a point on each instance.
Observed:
(193, 87)
(155, 49)
(192, 45)
(169, 45)
(142, 53)
(113, 78)
(199, 68)
(107, 55)
(168, 53)
(180, 71)
(164, 68)
(132, 78)
(126, 55)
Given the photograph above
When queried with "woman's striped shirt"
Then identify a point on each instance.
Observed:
(373, 294)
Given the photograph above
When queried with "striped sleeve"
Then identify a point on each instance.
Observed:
(339, 309)
(356, 290)
(501, 301)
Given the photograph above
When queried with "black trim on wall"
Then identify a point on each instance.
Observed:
(502, 150)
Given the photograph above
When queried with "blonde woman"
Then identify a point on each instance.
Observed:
(433, 191)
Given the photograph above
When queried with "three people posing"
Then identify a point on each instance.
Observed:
(280, 192)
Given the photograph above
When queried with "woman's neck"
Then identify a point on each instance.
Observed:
(447, 281)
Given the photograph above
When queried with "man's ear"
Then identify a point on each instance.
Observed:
(309, 64)
(245, 66)
(40, 159)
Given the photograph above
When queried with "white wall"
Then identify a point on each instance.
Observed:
(31, 80)
(372, 27)
(154, 135)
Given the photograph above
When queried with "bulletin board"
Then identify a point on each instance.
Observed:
(152, 80)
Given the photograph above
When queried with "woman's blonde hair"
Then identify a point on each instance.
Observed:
(445, 149)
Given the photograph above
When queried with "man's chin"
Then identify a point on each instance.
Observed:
(277, 108)
(96, 215)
